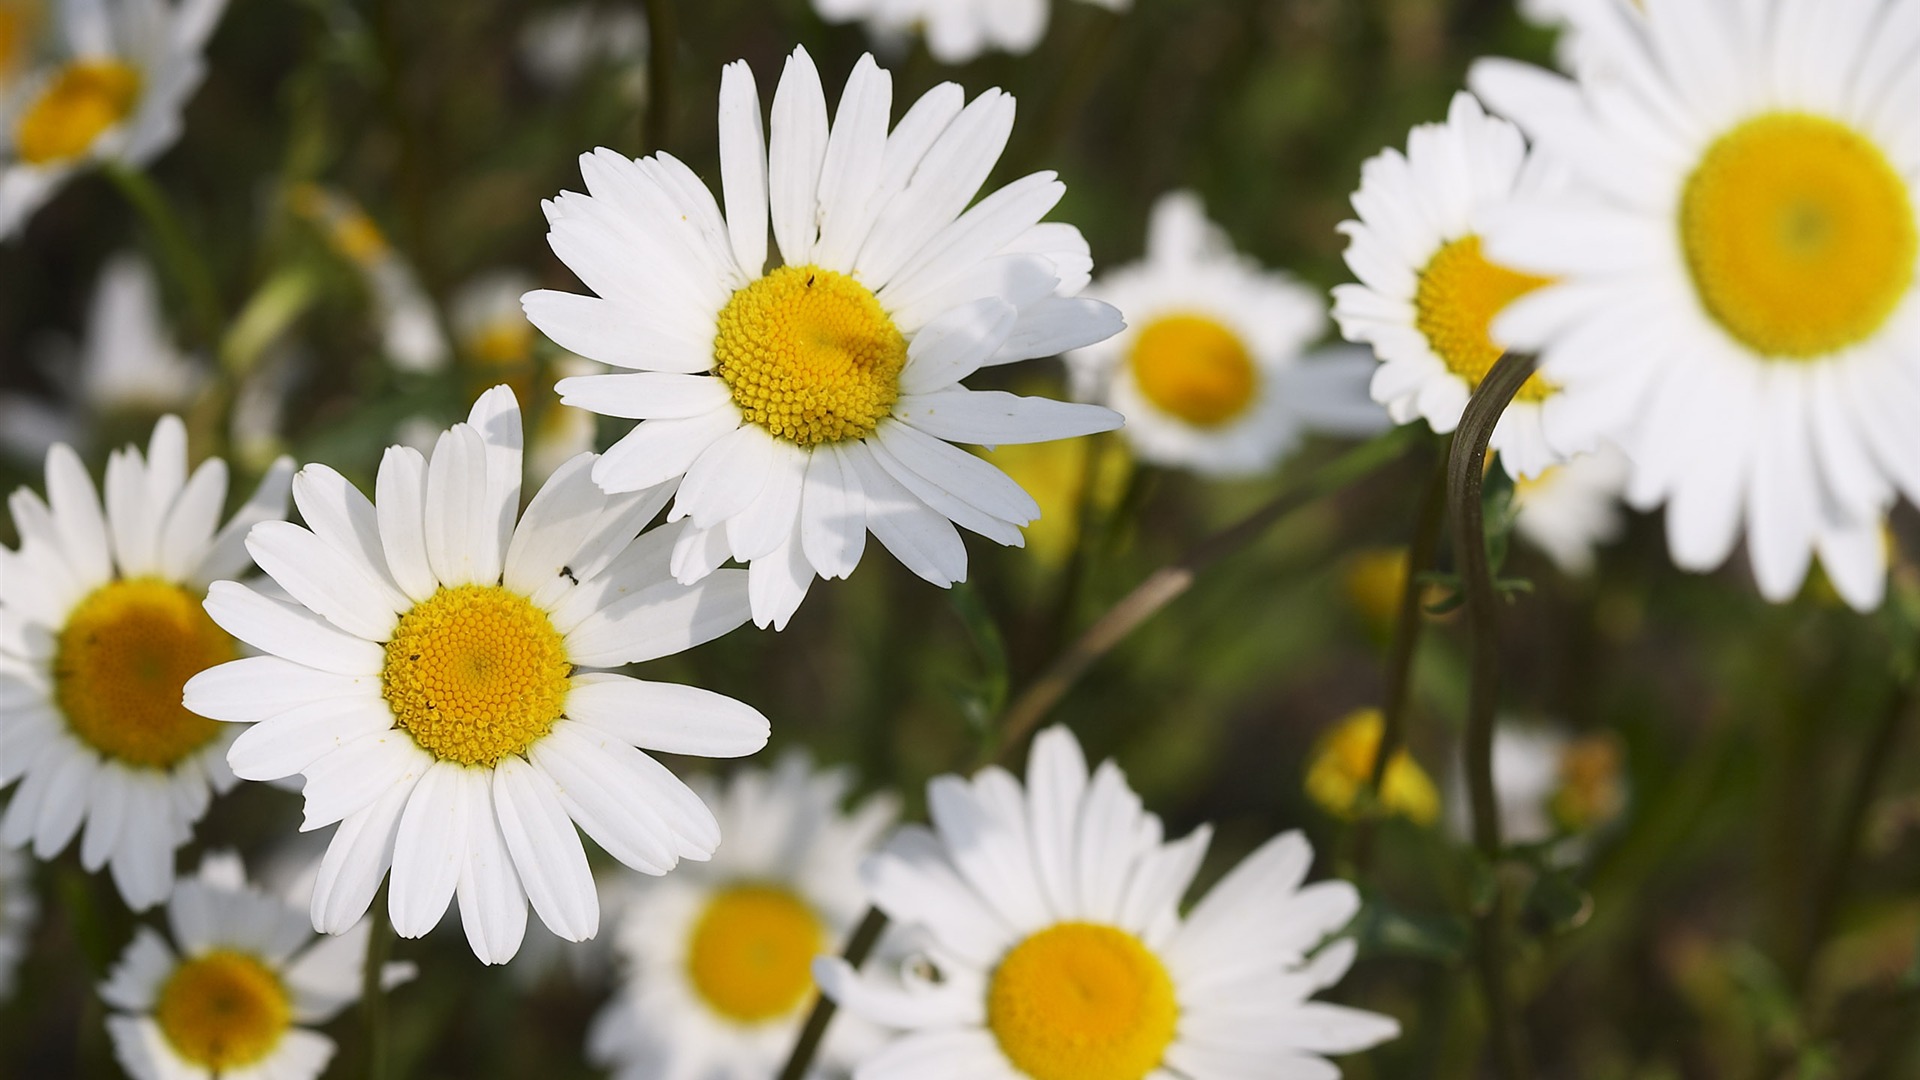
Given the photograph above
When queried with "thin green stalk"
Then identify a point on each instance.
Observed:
(373, 995)
(1466, 468)
(1156, 592)
(184, 260)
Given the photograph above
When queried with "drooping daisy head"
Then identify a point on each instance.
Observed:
(810, 402)
(124, 73)
(1573, 508)
(1340, 771)
(19, 910)
(439, 677)
(100, 627)
(1428, 292)
(1735, 263)
(230, 990)
(718, 959)
(1055, 947)
(1209, 370)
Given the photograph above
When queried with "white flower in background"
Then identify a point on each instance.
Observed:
(19, 911)
(807, 404)
(1571, 509)
(498, 344)
(100, 627)
(956, 31)
(126, 363)
(1427, 292)
(124, 73)
(1052, 919)
(718, 958)
(437, 680)
(559, 44)
(1210, 371)
(230, 994)
(1735, 304)
(410, 331)
(1550, 785)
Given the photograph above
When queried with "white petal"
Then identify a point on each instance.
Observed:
(400, 500)
(546, 850)
(290, 632)
(797, 151)
(228, 555)
(288, 743)
(660, 621)
(326, 581)
(645, 395)
(429, 850)
(833, 517)
(743, 167)
(997, 418)
(188, 532)
(667, 717)
(493, 907)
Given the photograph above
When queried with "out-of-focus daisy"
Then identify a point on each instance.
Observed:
(231, 993)
(1055, 945)
(437, 680)
(1341, 767)
(410, 330)
(1570, 509)
(1736, 303)
(719, 957)
(1209, 370)
(559, 44)
(1549, 784)
(19, 910)
(124, 73)
(498, 344)
(127, 363)
(956, 31)
(100, 627)
(807, 404)
(1427, 290)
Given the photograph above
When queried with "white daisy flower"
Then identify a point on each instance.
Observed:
(127, 362)
(438, 679)
(1056, 948)
(100, 626)
(807, 404)
(126, 71)
(1427, 292)
(1209, 370)
(232, 992)
(1571, 509)
(1736, 303)
(19, 911)
(718, 958)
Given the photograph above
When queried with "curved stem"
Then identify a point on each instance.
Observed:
(1466, 465)
(1156, 592)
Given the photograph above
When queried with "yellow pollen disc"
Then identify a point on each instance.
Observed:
(82, 101)
(1078, 1001)
(224, 1010)
(751, 957)
(1800, 235)
(1459, 296)
(1195, 369)
(121, 662)
(475, 673)
(810, 355)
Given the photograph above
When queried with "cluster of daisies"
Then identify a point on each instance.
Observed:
(1711, 252)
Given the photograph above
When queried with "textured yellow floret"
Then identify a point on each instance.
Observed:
(82, 101)
(1080, 1001)
(1800, 235)
(475, 673)
(1342, 766)
(1459, 296)
(1194, 368)
(122, 659)
(751, 957)
(810, 355)
(223, 1010)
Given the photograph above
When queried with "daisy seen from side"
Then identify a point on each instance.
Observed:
(803, 405)
(100, 627)
(440, 679)
(1054, 946)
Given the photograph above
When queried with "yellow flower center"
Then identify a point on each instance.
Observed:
(475, 673)
(122, 659)
(1078, 1001)
(810, 355)
(1341, 767)
(751, 958)
(1800, 235)
(1192, 367)
(83, 100)
(225, 1010)
(1459, 296)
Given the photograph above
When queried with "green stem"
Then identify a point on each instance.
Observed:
(1466, 467)
(183, 259)
(373, 996)
(865, 937)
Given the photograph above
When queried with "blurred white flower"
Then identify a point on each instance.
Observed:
(1570, 509)
(559, 44)
(409, 324)
(956, 31)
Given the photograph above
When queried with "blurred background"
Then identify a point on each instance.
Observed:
(364, 180)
